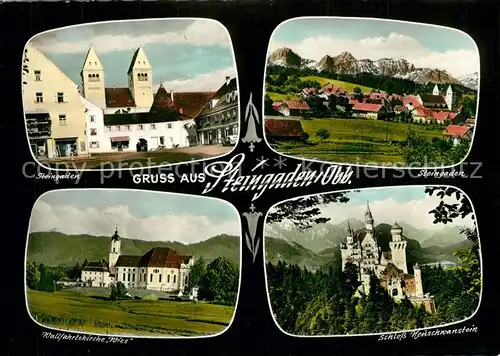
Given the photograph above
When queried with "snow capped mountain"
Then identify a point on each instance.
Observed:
(470, 80)
(346, 63)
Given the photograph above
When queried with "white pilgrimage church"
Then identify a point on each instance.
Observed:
(66, 120)
(160, 269)
(362, 249)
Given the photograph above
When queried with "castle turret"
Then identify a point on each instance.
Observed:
(368, 218)
(398, 247)
(114, 251)
(419, 288)
(350, 233)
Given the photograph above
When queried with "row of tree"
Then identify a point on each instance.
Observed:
(216, 281)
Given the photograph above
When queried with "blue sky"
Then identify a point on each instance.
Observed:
(420, 44)
(180, 51)
(138, 214)
(392, 204)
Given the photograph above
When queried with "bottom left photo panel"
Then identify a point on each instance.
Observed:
(132, 263)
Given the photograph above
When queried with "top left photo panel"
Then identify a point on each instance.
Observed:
(130, 94)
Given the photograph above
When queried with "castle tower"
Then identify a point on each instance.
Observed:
(350, 234)
(398, 248)
(92, 75)
(450, 98)
(368, 218)
(114, 251)
(435, 91)
(419, 288)
(140, 79)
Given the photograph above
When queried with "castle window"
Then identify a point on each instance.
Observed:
(169, 126)
(394, 292)
(114, 250)
(168, 278)
(133, 278)
(123, 277)
(38, 76)
(128, 277)
(60, 98)
(159, 278)
(141, 127)
(92, 118)
(39, 97)
(174, 278)
(93, 132)
(151, 277)
(153, 127)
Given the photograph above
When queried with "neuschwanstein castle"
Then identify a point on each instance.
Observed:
(362, 249)
(161, 269)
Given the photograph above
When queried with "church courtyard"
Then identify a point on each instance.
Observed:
(124, 160)
(90, 310)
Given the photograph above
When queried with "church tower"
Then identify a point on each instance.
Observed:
(114, 251)
(419, 288)
(435, 91)
(398, 248)
(92, 76)
(450, 98)
(368, 219)
(140, 80)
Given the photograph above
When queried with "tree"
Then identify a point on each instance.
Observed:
(118, 291)
(322, 134)
(32, 275)
(356, 90)
(468, 270)
(196, 274)
(220, 282)
(268, 106)
(418, 151)
(304, 212)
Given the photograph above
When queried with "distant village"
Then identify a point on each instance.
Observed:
(439, 107)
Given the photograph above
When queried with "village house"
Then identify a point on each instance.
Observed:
(217, 123)
(458, 133)
(368, 111)
(51, 97)
(280, 129)
(293, 108)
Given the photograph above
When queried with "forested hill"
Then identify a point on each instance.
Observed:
(57, 249)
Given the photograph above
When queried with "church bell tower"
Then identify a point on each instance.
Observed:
(114, 251)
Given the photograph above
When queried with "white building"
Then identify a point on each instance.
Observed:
(161, 269)
(161, 126)
(362, 249)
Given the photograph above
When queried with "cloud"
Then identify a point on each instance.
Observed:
(185, 228)
(413, 212)
(203, 82)
(198, 33)
(396, 46)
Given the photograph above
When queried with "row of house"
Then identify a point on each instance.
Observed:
(439, 107)
(64, 119)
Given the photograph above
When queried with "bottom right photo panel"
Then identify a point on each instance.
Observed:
(373, 261)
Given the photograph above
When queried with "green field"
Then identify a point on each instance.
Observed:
(346, 85)
(354, 141)
(67, 310)
(281, 97)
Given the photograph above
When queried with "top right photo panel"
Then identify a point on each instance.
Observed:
(371, 92)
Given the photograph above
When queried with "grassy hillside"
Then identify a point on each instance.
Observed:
(91, 313)
(58, 249)
(281, 97)
(354, 140)
(346, 85)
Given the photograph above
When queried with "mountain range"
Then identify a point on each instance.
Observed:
(294, 253)
(346, 63)
(323, 236)
(54, 248)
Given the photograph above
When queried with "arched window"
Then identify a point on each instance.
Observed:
(394, 292)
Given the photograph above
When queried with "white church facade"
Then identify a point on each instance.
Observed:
(160, 269)
(362, 249)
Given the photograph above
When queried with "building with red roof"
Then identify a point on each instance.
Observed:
(293, 107)
(369, 111)
(458, 133)
(281, 129)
